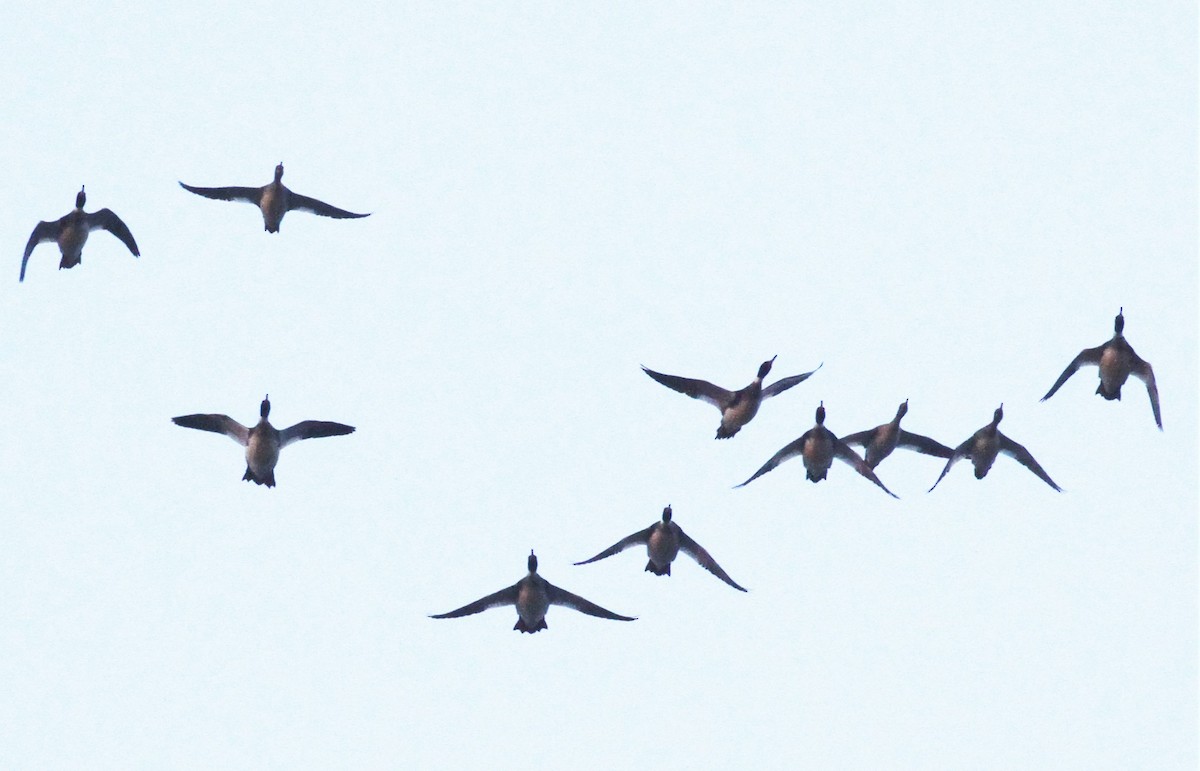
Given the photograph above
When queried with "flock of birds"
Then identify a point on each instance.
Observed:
(71, 230)
(532, 595)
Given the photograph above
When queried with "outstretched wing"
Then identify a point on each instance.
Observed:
(779, 386)
(248, 194)
(1086, 356)
(960, 452)
(922, 444)
(697, 389)
(1025, 458)
(495, 600)
(312, 429)
(219, 424)
(45, 231)
(1143, 372)
(789, 451)
(843, 451)
(563, 597)
(642, 536)
(862, 437)
(304, 203)
(107, 220)
(705, 560)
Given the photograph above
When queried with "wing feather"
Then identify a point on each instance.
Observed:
(704, 559)
(1144, 372)
(697, 389)
(574, 601)
(248, 194)
(1025, 458)
(304, 203)
(960, 452)
(312, 429)
(218, 424)
(105, 219)
(923, 444)
(779, 386)
(843, 452)
(790, 450)
(642, 536)
(44, 231)
(1086, 356)
(862, 437)
(494, 600)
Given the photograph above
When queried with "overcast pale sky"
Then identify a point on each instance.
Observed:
(941, 203)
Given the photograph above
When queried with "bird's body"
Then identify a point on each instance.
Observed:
(262, 441)
(664, 540)
(737, 407)
(881, 441)
(818, 447)
(71, 231)
(532, 596)
(1116, 361)
(274, 200)
(983, 447)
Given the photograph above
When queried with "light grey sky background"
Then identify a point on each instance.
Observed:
(942, 202)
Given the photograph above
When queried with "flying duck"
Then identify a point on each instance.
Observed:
(1117, 362)
(819, 446)
(274, 199)
(664, 540)
(263, 441)
(533, 596)
(737, 407)
(985, 444)
(71, 232)
(879, 442)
